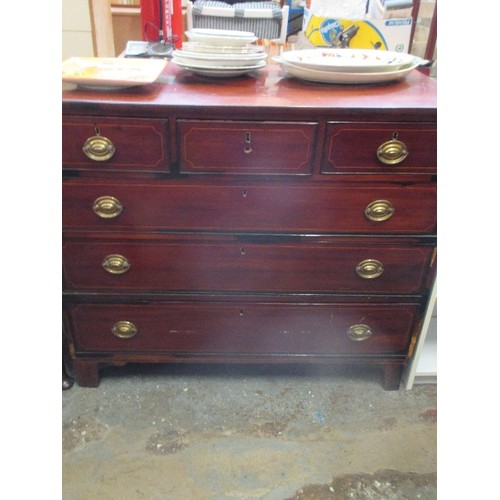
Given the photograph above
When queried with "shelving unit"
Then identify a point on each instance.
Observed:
(126, 18)
(423, 364)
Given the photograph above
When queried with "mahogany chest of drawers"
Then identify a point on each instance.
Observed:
(249, 220)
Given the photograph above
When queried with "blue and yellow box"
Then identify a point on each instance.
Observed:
(383, 34)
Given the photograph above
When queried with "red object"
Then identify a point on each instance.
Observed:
(150, 20)
(177, 23)
(172, 22)
(162, 16)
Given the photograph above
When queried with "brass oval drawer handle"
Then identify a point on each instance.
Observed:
(392, 152)
(379, 210)
(369, 269)
(124, 329)
(99, 148)
(107, 207)
(359, 332)
(115, 264)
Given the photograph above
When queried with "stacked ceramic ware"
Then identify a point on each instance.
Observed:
(220, 53)
(348, 66)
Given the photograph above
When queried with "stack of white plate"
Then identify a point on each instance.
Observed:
(349, 66)
(220, 53)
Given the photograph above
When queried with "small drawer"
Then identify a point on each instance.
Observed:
(250, 207)
(231, 264)
(246, 147)
(377, 147)
(114, 144)
(243, 328)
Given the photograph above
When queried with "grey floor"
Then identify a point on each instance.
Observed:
(247, 432)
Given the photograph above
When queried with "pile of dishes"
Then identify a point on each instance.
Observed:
(220, 53)
(347, 66)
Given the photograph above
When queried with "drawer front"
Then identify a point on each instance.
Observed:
(114, 144)
(233, 328)
(244, 266)
(294, 207)
(246, 147)
(358, 147)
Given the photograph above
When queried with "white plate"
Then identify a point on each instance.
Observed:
(198, 59)
(111, 72)
(219, 33)
(220, 71)
(227, 38)
(221, 49)
(349, 60)
(345, 77)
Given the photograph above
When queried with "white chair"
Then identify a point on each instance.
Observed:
(268, 20)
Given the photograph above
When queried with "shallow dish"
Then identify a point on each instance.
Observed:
(198, 59)
(227, 38)
(111, 72)
(344, 77)
(222, 49)
(348, 60)
(220, 71)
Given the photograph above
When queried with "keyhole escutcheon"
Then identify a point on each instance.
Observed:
(248, 140)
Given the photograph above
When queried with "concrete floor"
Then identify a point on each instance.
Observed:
(246, 432)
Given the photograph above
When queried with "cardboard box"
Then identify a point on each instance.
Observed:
(383, 34)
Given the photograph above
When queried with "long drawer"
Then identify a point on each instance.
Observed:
(243, 328)
(228, 264)
(381, 208)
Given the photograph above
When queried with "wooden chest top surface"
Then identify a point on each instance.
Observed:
(269, 90)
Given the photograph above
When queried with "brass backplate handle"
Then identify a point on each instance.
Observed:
(359, 332)
(124, 329)
(115, 264)
(107, 207)
(392, 152)
(379, 210)
(369, 269)
(99, 148)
